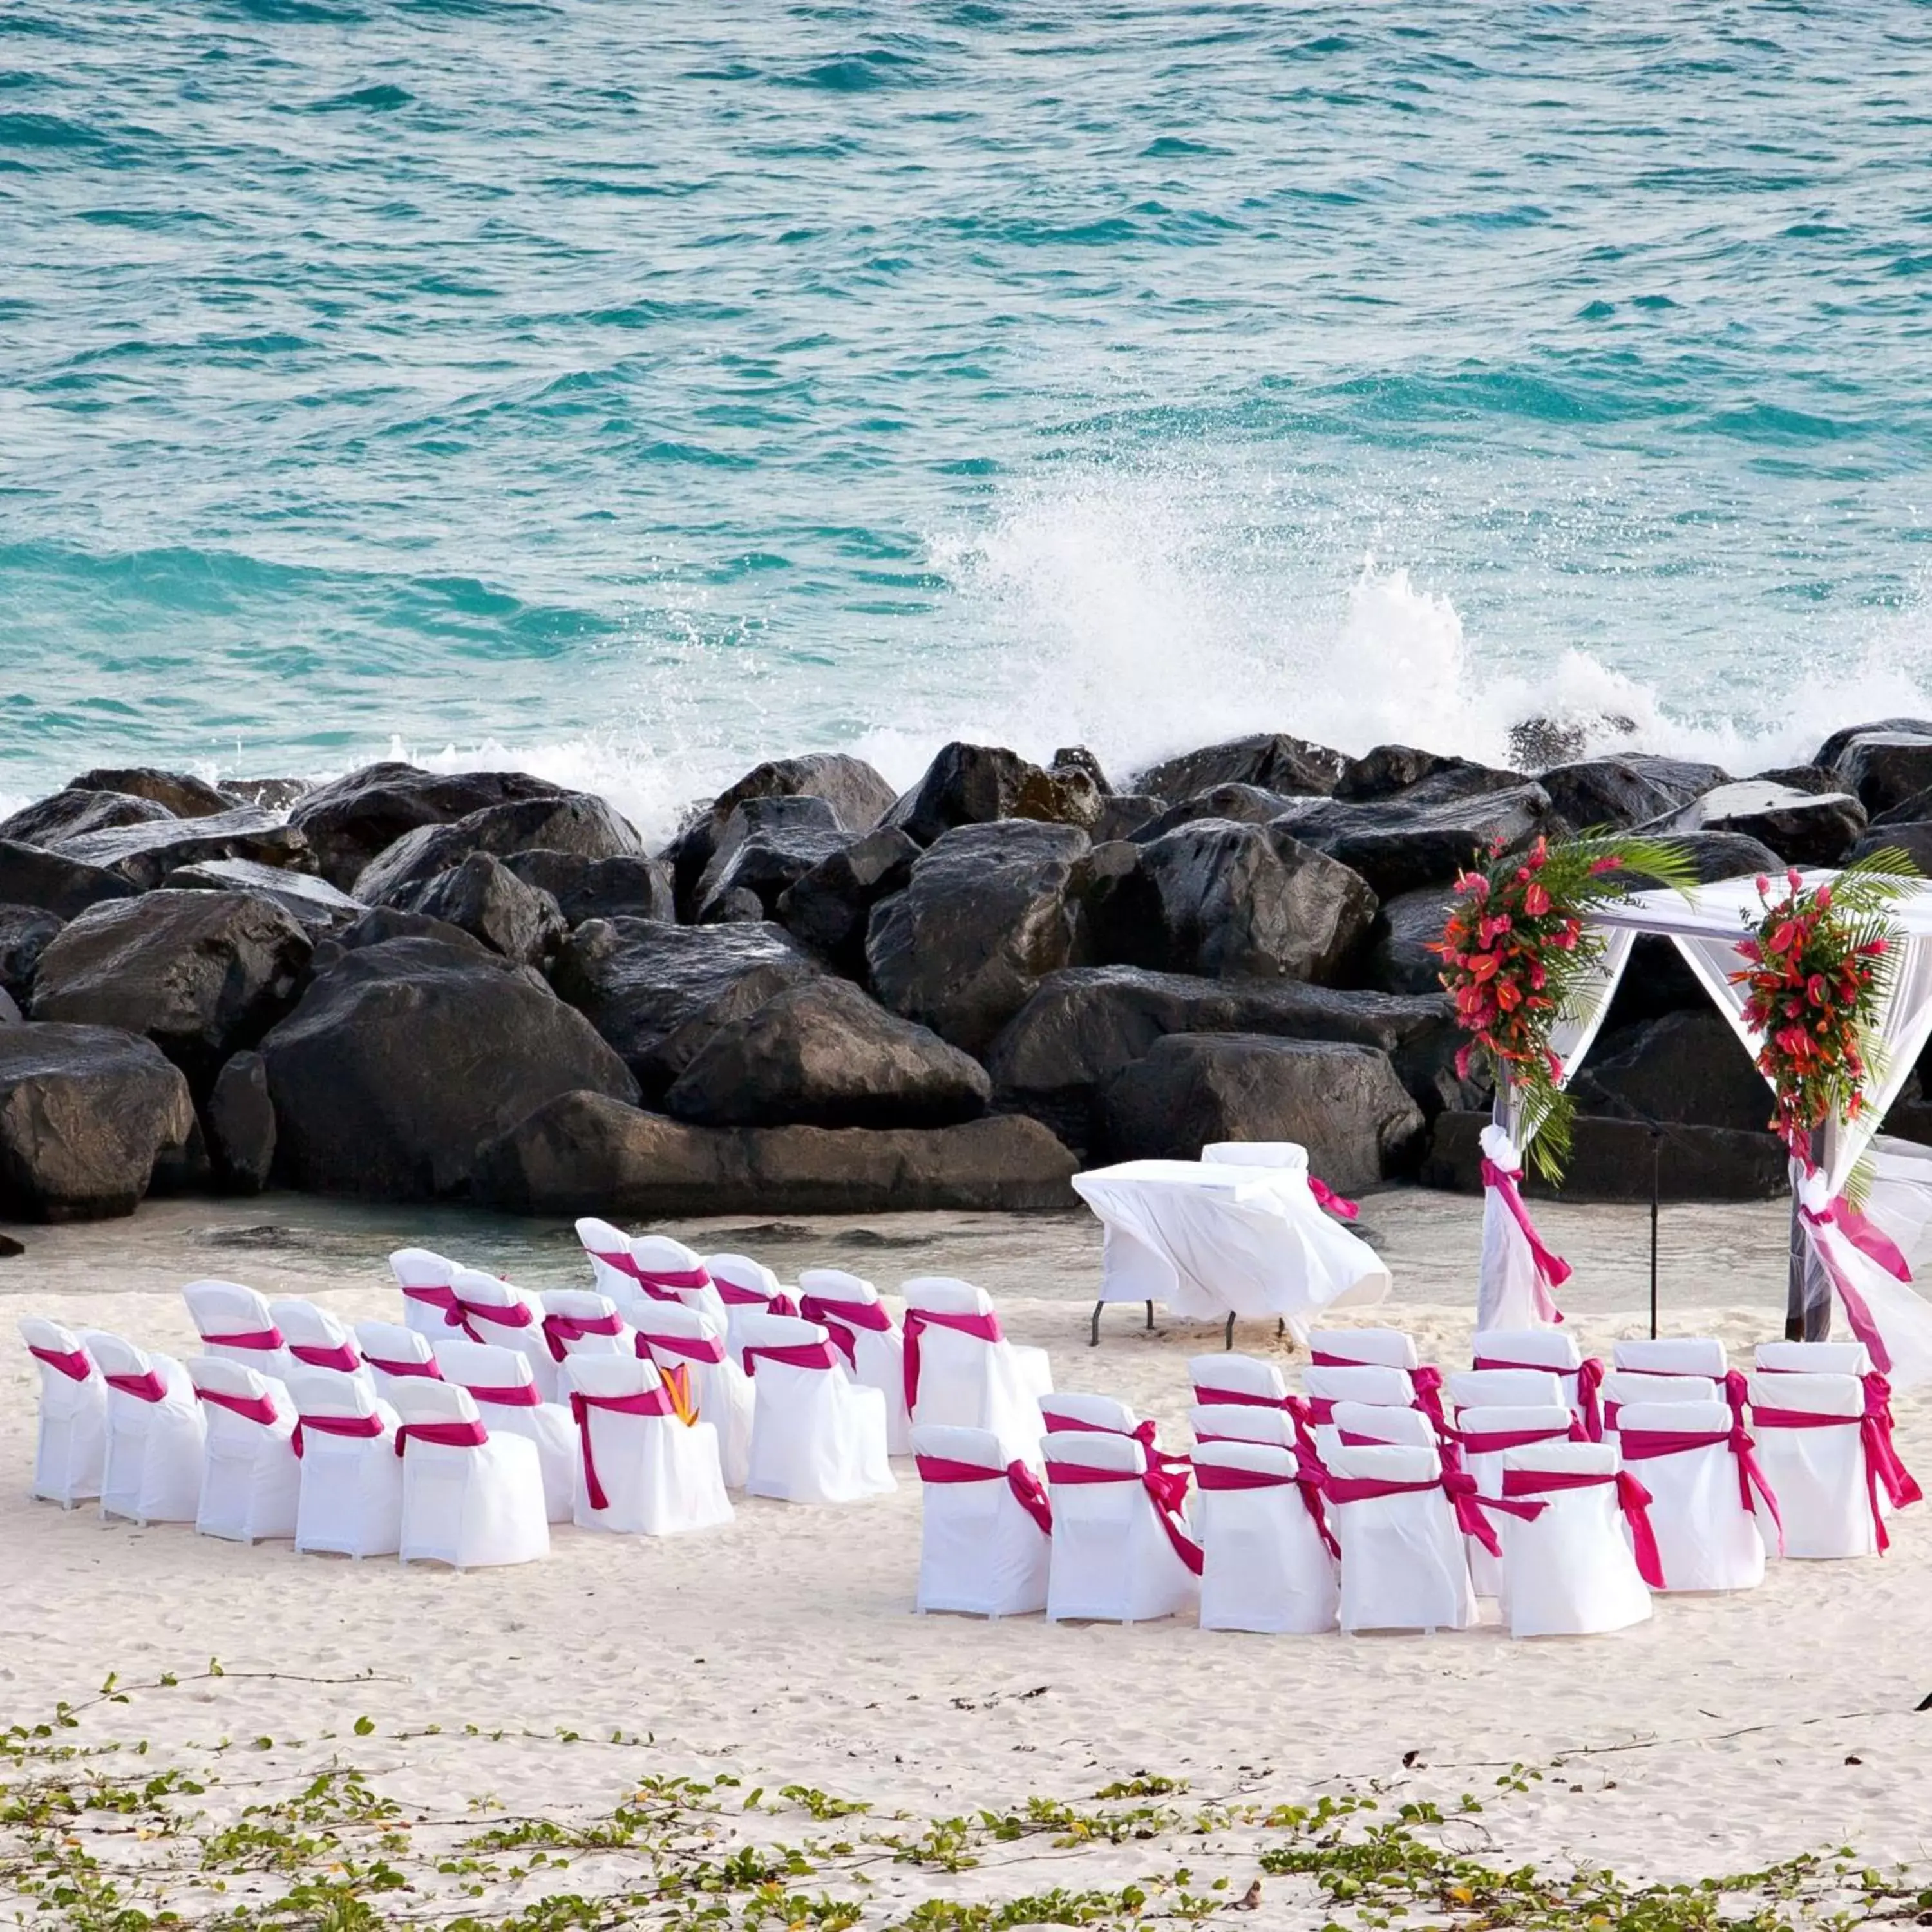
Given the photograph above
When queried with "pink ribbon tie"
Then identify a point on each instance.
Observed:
(1309, 1478)
(685, 1348)
(1552, 1270)
(843, 1321)
(793, 1355)
(444, 1434)
(560, 1330)
(428, 1370)
(339, 1356)
(509, 1395)
(1167, 1488)
(1028, 1491)
(647, 1402)
(1522, 1487)
(261, 1340)
(1644, 1445)
(1325, 1196)
(984, 1327)
(251, 1407)
(360, 1428)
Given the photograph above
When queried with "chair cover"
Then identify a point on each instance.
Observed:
(1672, 1355)
(1623, 1386)
(495, 1312)
(960, 1369)
(1374, 1347)
(1385, 1388)
(1121, 1552)
(1813, 1358)
(1482, 1437)
(152, 1469)
(250, 1481)
(1552, 1350)
(424, 1277)
(392, 1353)
(686, 1340)
(1228, 1422)
(984, 1526)
(1685, 1455)
(1355, 1424)
(316, 1338)
(850, 1309)
(351, 1502)
(579, 1321)
(470, 1499)
(1266, 1565)
(1211, 1239)
(744, 1286)
(816, 1436)
(1246, 1381)
(667, 1270)
(614, 1274)
(1504, 1388)
(1565, 1517)
(1823, 1471)
(235, 1322)
(1518, 1274)
(1403, 1563)
(500, 1382)
(71, 1444)
(642, 1470)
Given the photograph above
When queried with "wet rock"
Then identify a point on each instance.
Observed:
(404, 1059)
(87, 1116)
(573, 822)
(1614, 1160)
(312, 902)
(979, 785)
(983, 918)
(29, 877)
(1615, 792)
(657, 992)
(9, 1013)
(1803, 828)
(627, 886)
(1400, 844)
(144, 855)
(1687, 1067)
(381, 924)
(1400, 960)
(271, 794)
(66, 814)
(584, 1154)
(1244, 804)
(823, 1055)
(1828, 753)
(1391, 771)
(175, 792)
(25, 935)
(484, 899)
(1723, 855)
(1269, 759)
(1124, 813)
(1077, 758)
(827, 907)
(763, 848)
(1914, 840)
(1883, 768)
(1800, 778)
(201, 974)
(240, 1122)
(1342, 1103)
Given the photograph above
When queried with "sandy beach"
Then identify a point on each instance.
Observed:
(1727, 1733)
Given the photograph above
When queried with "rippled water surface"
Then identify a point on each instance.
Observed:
(643, 390)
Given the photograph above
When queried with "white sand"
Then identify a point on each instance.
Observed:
(1715, 1738)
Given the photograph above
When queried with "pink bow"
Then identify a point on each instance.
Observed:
(1453, 1481)
(1552, 1269)
(986, 1327)
(673, 1284)
(646, 1402)
(1325, 1196)
(360, 1427)
(560, 1330)
(1883, 1469)
(1309, 1477)
(443, 1298)
(1167, 1488)
(687, 1347)
(1644, 1445)
(1143, 1432)
(841, 1320)
(1633, 1498)
(1027, 1490)
(339, 1356)
(1589, 1376)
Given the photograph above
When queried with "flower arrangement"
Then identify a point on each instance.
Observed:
(1817, 966)
(1518, 957)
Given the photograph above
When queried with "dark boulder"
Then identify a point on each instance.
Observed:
(1079, 758)
(1124, 813)
(351, 819)
(404, 1059)
(88, 1116)
(1687, 1067)
(765, 846)
(656, 992)
(1803, 828)
(978, 785)
(271, 794)
(240, 1119)
(1800, 778)
(628, 885)
(1657, 980)
(1231, 901)
(857, 795)
(26, 932)
(1403, 844)
(1616, 1160)
(29, 877)
(822, 1054)
(9, 1012)
(1615, 792)
(586, 1154)
(1399, 959)
(1391, 771)
(311, 902)
(381, 924)
(572, 822)
(1244, 804)
(66, 814)
(1883, 767)
(740, 906)
(1269, 759)
(484, 899)
(984, 917)
(1914, 840)
(827, 907)
(201, 974)
(1722, 855)
(175, 792)
(1829, 753)
(1084, 1025)
(144, 855)
(1343, 1103)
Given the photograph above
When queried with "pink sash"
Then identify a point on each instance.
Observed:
(1027, 1490)
(261, 1339)
(1883, 1469)
(1552, 1270)
(1633, 1498)
(499, 1314)
(444, 1434)
(340, 1356)
(1873, 1243)
(1309, 1478)
(687, 1347)
(1325, 1196)
(560, 1330)
(1588, 1374)
(793, 1355)
(1493, 1443)
(365, 1428)
(439, 1295)
(648, 1402)
(250, 1408)
(673, 1284)
(986, 1327)
(1645, 1445)
(1143, 1432)
(1212, 1398)
(1167, 1488)
(511, 1395)
(841, 1320)
(76, 1366)
(149, 1387)
(1453, 1481)
(428, 1370)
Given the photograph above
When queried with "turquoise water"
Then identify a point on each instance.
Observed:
(638, 391)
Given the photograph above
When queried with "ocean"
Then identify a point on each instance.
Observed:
(631, 393)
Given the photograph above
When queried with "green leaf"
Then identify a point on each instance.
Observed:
(364, 1726)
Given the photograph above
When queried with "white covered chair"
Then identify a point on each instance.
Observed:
(1504, 1388)
(1357, 1425)
(1122, 1553)
(1229, 1422)
(392, 1354)
(1384, 1388)
(1824, 1463)
(1404, 1561)
(817, 1436)
(495, 1312)
(1266, 1560)
(429, 1303)
(1696, 1462)
(152, 1469)
(849, 1310)
(1067, 1411)
(316, 1338)
(579, 1321)
(234, 1322)
(608, 1250)
(1483, 1436)
(250, 1481)
(744, 1287)
(1553, 1351)
(71, 1444)
(642, 1470)
(1621, 1387)
(986, 1526)
(1571, 1521)
(1672, 1355)
(1813, 1358)
(1357, 1347)
(961, 1370)
(687, 1340)
(500, 1382)
(667, 1270)
(1245, 1381)
(351, 1503)
(470, 1499)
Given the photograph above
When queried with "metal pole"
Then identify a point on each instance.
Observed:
(1656, 1166)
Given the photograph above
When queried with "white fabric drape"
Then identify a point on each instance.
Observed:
(1506, 1289)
